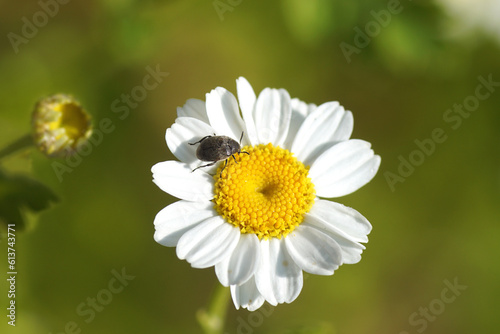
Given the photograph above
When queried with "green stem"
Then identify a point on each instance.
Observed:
(213, 318)
(19, 144)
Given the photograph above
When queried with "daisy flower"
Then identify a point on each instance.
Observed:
(261, 221)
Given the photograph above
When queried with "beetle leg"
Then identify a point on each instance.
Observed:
(242, 132)
(244, 152)
(207, 165)
(234, 158)
(199, 141)
(225, 164)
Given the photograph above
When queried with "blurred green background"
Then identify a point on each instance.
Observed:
(440, 224)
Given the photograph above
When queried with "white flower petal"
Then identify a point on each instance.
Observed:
(342, 220)
(344, 168)
(247, 98)
(193, 108)
(302, 108)
(345, 127)
(178, 218)
(242, 263)
(223, 113)
(350, 250)
(208, 243)
(299, 112)
(328, 124)
(313, 251)
(187, 130)
(177, 179)
(247, 295)
(272, 116)
(278, 279)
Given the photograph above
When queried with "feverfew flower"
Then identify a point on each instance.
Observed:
(60, 125)
(262, 222)
(467, 15)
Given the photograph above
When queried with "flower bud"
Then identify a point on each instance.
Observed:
(60, 125)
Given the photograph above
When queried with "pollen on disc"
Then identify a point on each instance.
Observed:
(266, 192)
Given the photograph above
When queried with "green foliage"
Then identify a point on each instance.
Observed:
(19, 194)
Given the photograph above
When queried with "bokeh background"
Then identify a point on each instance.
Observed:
(440, 224)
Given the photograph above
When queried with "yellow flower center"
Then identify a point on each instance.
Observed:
(266, 193)
(72, 119)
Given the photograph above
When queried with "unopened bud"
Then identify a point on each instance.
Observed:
(60, 125)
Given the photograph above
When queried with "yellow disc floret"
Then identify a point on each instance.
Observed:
(266, 193)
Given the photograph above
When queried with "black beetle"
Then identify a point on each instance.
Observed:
(216, 148)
